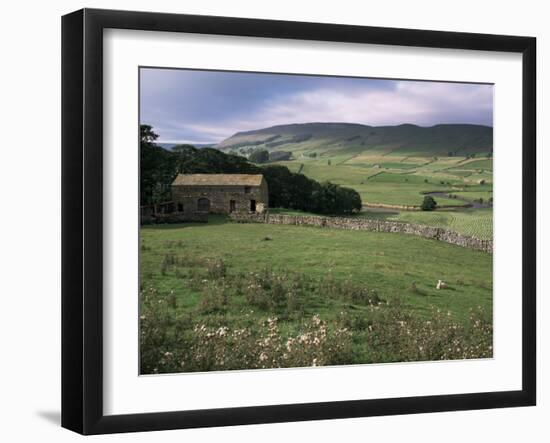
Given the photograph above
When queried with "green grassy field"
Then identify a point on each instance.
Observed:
(204, 272)
(386, 262)
(394, 179)
(475, 195)
(399, 180)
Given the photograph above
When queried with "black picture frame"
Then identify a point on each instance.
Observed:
(82, 232)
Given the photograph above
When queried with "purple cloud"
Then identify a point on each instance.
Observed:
(205, 106)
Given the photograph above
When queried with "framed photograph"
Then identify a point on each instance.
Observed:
(269, 221)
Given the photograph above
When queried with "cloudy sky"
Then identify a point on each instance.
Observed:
(209, 106)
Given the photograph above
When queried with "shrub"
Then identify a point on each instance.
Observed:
(264, 346)
(275, 292)
(428, 204)
(396, 335)
(216, 268)
(168, 262)
(215, 299)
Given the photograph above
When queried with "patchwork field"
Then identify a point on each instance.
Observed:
(398, 180)
(394, 179)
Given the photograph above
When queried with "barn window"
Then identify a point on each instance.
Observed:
(247, 189)
(180, 207)
(231, 205)
(253, 205)
(203, 205)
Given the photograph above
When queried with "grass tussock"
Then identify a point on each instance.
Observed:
(274, 319)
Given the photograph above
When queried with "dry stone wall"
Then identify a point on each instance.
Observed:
(370, 225)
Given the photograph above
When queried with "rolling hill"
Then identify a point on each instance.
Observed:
(329, 139)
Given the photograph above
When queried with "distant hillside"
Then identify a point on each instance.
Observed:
(170, 146)
(350, 138)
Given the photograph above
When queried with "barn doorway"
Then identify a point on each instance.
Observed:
(231, 206)
(203, 205)
(253, 205)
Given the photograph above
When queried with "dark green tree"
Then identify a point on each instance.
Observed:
(181, 148)
(428, 204)
(287, 189)
(259, 156)
(157, 168)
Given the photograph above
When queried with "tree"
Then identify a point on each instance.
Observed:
(259, 156)
(181, 148)
(287, 189)
(333, 199)
(146, 134)
(157, 168)
(428, 204)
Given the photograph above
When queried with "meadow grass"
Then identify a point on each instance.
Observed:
(479, 164)
(389, 263)
(232, 296)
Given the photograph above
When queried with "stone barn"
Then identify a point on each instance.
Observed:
(219, 193)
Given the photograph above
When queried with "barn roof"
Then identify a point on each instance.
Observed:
(218, 180)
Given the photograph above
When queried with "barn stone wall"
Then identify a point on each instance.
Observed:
(370, 225)
(220, 198)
